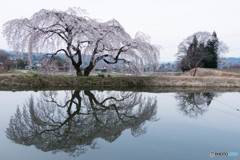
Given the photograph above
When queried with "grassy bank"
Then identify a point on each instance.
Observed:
(38, 81)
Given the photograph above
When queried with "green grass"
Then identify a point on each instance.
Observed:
(36, 80)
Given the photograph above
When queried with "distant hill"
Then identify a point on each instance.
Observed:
(37, 57)
(233, 61)
(168, 66)
(3, 51)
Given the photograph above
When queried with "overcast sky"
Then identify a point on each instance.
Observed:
(167, 22)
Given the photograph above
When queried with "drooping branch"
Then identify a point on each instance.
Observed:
(60, 50)
(74, 34)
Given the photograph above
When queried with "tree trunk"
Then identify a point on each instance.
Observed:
(195, 71)
(78, 70)
(88, 69)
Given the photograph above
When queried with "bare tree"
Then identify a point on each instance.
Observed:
(72, 123)
(193, 52)
(195, 57)
(48, 66)
(75, 34)
(8, 64)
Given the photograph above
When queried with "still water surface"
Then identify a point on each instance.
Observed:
(117, 125)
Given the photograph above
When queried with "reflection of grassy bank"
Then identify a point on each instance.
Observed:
(134, 89)
(35, 80)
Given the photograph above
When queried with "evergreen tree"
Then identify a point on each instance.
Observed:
(212, 49)
(188, 60)
(197, 55)
(200, 50)
(21, 64)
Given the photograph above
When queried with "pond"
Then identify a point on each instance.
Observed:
(118, 125)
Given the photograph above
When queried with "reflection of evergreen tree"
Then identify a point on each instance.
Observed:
(73, 124)
(194, 104)
(209, 97)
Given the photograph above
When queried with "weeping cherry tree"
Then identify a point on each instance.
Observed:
(72, 32)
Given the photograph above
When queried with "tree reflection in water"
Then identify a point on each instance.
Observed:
(194, 105)
(71, 124)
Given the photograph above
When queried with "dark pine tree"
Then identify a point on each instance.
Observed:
(212, 49)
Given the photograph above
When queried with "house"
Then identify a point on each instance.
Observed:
(1, 66)
(64, 68)
(33, 67)
(102, 68)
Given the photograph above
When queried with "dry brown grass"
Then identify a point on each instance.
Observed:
(206, 72)
(205, 78)
(189, 81)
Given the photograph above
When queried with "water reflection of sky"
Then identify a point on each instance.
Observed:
(173, 136)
